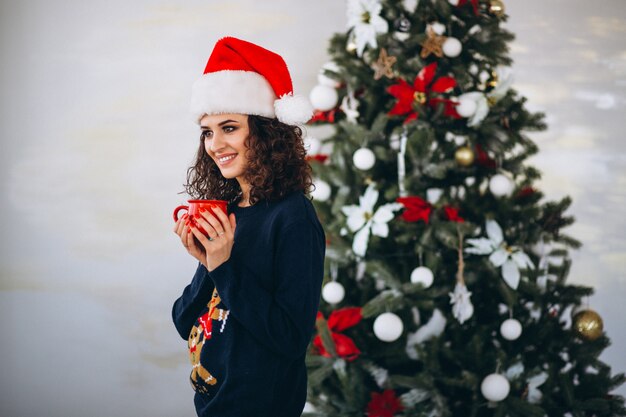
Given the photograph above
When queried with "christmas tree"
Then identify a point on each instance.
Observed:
(446, 290)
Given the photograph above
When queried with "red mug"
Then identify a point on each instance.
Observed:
(195, 206)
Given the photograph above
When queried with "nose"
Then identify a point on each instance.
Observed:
(217, 143)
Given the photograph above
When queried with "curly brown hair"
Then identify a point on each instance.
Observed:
(276, 167)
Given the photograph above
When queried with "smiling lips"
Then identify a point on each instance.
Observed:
(225, 160)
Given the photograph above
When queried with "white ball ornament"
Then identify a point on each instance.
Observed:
(312, 145)
(324, 79)
(322, 190)
(495, 387)
(511, 329)
(466, 106)
(364, 159)
(323, 97)
(452, 47)
(388, 327)
(422, 275)
(438, 27)
(333, 292)
(500, 185)
(454, 2)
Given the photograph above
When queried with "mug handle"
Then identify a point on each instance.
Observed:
(177, 209)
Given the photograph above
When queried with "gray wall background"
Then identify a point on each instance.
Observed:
(95, 141)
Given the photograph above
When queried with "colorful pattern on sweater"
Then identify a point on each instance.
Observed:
(201, 332)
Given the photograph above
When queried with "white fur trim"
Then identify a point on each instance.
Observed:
(242, 92)
(293, 110)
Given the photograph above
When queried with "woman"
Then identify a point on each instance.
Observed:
(249, 312)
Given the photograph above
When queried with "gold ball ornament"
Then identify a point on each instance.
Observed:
(464, 156)
(351, 47)
(496, 7)
(588, 325)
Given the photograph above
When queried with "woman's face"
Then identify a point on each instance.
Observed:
(224, 138)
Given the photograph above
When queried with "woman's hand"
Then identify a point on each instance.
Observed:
(221, 236)
(183, 230)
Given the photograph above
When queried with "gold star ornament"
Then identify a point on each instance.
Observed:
(382, 67)
(432, 44)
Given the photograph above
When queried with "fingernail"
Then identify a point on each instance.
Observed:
(197, 216)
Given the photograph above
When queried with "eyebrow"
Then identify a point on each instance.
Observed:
(220, 124)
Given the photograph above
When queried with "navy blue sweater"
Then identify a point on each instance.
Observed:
(249, 321)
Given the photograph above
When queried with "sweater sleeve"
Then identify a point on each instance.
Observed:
(283, 320)
(189, 305)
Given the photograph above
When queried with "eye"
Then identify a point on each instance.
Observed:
(229, 129)
(206, 134)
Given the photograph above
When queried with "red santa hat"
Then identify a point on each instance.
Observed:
(241, 77)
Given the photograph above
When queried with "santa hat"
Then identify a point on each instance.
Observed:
(241, 77)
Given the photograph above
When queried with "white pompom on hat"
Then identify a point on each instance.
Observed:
(241, 77)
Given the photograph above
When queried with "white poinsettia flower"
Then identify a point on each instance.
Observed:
(509, 259)
(363, 220)
(365, 21)
(505, 80)
(534, 394)
(462, 307)
(350, 105)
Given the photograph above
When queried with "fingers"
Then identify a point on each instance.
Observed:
(227, 223)
(204, 240)
(178, 226)
(217, 222)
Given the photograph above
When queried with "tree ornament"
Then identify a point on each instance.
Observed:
(322, 190)
(422, 275)
(366, 23)
(473, 105)
(511, 329)
(466, 107)
(402, 26)
(351, 47)
(363, 219)
(416, 209)
(437, 27)
(424, 85)
(324, 79)
(511, 259)
(496, 7)
(452, 47)
(410, 5)
(323, 97)
(588, 325)
(313, 145)
(432, 44)
(382, 67)
(388, 327)
(500, 185)
(338, 321)
(495, 387)
(464, 156)
(333, 292)
(364, 159)
(384, 405)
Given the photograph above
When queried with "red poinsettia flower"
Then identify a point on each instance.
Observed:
(321, 158)
(384, 405)
(525, 192)
(482, 158)
(338, 321)
(323, 116)
(453, 214)
(416, 209)
(474, 5)
(421, 91)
